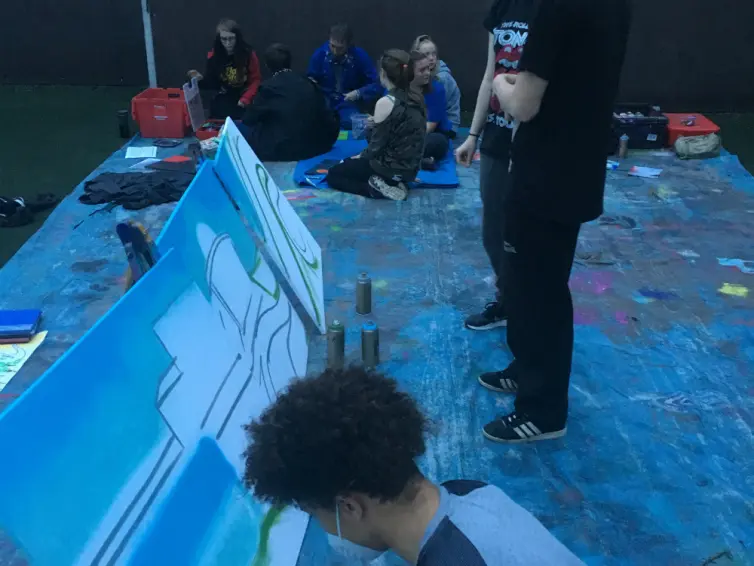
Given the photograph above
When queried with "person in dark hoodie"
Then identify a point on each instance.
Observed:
(232, 73)
(396, 140)
(346, 74)
(289, 119)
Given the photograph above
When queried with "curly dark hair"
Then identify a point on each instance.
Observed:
(343, 431)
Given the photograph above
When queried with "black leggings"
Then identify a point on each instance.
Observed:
(352, 176)
(436, 146)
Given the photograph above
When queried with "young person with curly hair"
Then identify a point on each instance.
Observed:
(343, 447)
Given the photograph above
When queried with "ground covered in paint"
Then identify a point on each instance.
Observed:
(656, 467)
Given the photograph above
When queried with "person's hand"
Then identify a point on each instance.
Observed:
(194, 74)
(465, 152)
(242, 104)
(351, 96)
(370, 122)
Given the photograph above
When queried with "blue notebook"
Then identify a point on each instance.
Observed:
(19, 324)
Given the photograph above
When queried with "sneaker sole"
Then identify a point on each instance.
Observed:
(397, 194)
(490, 326)
(493, 388)
(543, 436)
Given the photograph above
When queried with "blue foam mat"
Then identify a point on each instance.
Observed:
(445, 177)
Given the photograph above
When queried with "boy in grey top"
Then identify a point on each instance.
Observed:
(479, 525)
(342, 447)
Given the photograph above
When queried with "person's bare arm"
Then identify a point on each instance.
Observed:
(465, 152)
(485, 90)
(520, 97)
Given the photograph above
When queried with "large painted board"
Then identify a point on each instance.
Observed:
(128, 450)
(292, 247)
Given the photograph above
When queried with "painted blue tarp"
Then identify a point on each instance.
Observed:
(656, 467)
(444, 177)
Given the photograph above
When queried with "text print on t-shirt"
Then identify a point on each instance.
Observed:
(510, 38)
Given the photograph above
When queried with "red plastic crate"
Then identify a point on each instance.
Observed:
(210, 129)
(161, 113)
(702, 127)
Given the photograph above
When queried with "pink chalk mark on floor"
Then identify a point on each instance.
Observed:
(621, 317)
(584, 317)
(595, 282)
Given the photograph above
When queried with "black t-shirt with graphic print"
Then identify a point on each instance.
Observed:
(508, 21)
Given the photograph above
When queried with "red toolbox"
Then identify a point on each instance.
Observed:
(689, 125)
(161, 113)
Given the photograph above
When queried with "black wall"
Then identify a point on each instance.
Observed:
(92, 42)
(683, 53)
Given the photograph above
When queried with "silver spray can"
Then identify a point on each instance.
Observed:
(363, 294)
(370, 344)
(623, 147)
(336, 345)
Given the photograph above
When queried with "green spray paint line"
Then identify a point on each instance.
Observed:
(271, 518)
(263, 178)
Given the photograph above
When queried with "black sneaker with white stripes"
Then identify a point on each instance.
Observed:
(493, 316)
(515, 428)
(505, 381)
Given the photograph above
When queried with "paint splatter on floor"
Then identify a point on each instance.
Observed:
(656, 467)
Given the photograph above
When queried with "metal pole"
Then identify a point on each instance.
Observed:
(149, 43)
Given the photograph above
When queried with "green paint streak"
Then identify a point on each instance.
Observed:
(271, 518)
(335, 228)
(313, 265)
(275, 294)
(264, 179)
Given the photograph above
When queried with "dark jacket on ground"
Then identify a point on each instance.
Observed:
(289, 119)
(396, 144)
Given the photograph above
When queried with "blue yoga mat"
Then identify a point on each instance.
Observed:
(445, 177)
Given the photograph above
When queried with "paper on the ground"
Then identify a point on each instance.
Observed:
(141, 152)
(13, 356)
(145, 163)
(646, 172)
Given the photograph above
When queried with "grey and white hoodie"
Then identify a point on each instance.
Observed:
(452, 93)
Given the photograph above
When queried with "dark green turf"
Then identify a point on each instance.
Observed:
(53, 137)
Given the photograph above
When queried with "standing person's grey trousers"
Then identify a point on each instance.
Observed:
(494, 182)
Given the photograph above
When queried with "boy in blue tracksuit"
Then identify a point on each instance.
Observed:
(346, 74)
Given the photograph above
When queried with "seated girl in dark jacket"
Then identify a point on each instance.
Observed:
(396, 140)
(232, 74)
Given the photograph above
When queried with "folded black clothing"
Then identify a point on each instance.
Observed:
(134, 191)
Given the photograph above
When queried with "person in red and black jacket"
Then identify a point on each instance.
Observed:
(232, 72)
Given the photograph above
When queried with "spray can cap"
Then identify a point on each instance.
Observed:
(336, 325)
(369, 326)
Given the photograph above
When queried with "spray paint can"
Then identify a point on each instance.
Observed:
(363, 294)
(623, 147)
(123, 125)
(336, 345)
(370, 344)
